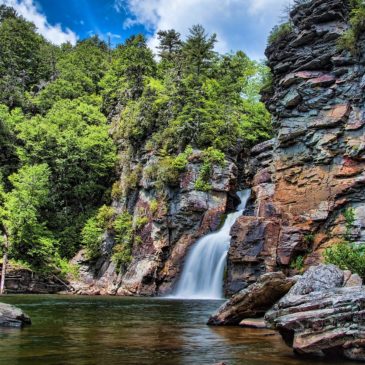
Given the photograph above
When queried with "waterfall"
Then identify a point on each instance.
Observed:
(202, 276)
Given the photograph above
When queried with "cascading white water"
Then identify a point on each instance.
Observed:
(202, 276)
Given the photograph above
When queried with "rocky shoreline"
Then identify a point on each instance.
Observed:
(321, 313)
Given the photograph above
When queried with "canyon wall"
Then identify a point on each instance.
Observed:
(313, 171)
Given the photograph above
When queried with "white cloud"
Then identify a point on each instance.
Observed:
(239, 24)
(54, 33)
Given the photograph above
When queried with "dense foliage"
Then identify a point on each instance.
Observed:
(70, 114)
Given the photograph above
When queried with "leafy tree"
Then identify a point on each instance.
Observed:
(78, 71)
(20, 212)
(73, 140)
(8, 157)
(22, 61)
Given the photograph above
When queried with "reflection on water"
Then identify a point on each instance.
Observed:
(134, 331)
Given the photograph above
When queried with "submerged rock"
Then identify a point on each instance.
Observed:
(319, 316)
(11, 316)
(253, 301)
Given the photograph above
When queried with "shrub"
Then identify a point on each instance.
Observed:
(279, 32)
(92, 238)
(131, 181)
(214, 156)
(140, 223)
(166, 173)
(92, 233)
(181, 160)
(123, 229)
(309, 238)
(117, 191)
(347, 256)
(153, 206)
(348, 41)
(202, 185)
(298, 263)
(211, 156)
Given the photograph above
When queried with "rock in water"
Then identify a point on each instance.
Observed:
(253, 301)
(321, 317)
(11, 316)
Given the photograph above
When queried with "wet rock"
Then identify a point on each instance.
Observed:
(11, 316)
(253, 301)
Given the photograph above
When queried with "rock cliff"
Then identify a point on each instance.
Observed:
(182, 215)
(313, 170)
(302, 181)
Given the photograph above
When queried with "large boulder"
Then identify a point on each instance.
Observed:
(319, 316)
(11, 316)
(253, 301)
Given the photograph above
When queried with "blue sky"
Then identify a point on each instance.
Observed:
(239, 24)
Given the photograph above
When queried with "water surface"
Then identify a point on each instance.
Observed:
(134, 331)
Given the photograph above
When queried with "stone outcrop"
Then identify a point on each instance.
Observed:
(314, 169)
(320, 316)
(11, 316)
(183, 215)
(253, 301)
(25, 281)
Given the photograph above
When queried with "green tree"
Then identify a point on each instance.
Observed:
(27, 235)
(79, 70)
(199, 50)
(72, 138)
(131, 65)
(22, 61)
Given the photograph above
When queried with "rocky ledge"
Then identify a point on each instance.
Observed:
(11, 316)
(253, 301)
(321, 313)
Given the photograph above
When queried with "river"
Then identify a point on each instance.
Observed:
(134, 331)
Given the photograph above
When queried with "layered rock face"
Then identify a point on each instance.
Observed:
(323, 314)
(314, 170)
(182, 216)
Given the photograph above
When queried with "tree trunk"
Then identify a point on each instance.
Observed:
(5, 262)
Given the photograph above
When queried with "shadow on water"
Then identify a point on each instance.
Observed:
(134, 331)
